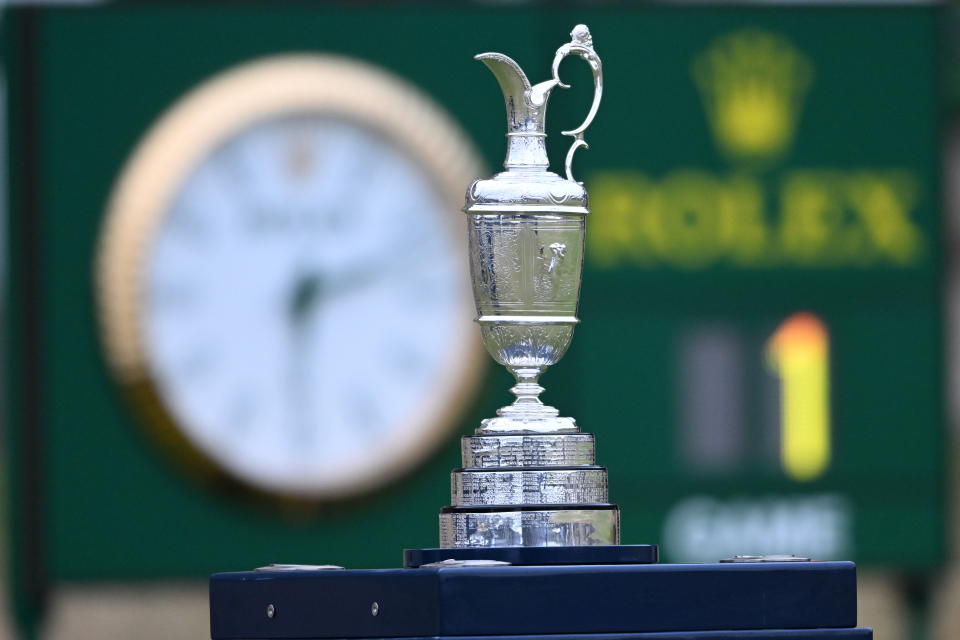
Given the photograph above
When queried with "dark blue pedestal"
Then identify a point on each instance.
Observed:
(796, 600)
(538, 556)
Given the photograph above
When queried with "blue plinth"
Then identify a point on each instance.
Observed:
(796, 600)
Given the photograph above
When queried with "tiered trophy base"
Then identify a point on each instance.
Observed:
(529, 490)
(542, 526)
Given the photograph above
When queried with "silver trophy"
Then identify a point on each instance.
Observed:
(528, 475)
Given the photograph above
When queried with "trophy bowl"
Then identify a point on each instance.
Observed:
(526, 272)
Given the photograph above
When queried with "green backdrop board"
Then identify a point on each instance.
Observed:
(761, 347)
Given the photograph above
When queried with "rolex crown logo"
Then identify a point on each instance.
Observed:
(752, 84)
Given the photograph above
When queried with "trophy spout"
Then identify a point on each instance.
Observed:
(527, 104)
(526, 112)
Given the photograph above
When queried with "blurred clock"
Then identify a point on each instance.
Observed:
(282, 279)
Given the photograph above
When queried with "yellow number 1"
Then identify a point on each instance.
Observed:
(799, 354)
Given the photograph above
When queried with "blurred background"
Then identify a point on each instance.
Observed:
(236, 305)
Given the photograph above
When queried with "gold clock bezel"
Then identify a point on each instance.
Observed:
(198, 124)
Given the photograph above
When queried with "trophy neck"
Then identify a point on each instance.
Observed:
(526, 152)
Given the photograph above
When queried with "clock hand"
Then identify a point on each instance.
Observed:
(304, 299)
(307, 293)
(312, 288)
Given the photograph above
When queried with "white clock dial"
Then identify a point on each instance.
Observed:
(303, 307)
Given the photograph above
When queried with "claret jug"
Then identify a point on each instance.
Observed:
(529, 478)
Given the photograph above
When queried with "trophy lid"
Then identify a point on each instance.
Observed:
(527, 185)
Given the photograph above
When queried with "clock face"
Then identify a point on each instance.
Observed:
(300, 309)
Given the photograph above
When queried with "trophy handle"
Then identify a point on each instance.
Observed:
(581, 44)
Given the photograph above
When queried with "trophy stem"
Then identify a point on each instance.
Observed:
(527, 414)
(527, 389)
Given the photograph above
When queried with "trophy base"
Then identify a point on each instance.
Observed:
(511, 424)
(528, 486)
(495, 451)
(529, 490)
(564, 525)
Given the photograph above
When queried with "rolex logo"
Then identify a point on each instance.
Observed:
(752, 84)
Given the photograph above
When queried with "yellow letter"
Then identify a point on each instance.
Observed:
(744, 232)
(812, 218)
(620, 201)
(689, 222)
(883, 201)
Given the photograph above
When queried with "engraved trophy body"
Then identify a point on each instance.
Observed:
(528, 475)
